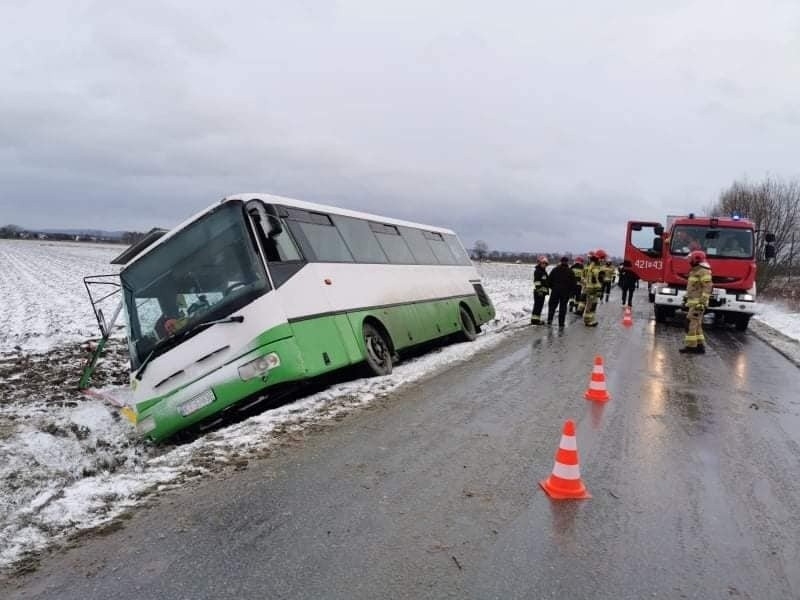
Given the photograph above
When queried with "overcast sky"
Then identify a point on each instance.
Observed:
(532, 125)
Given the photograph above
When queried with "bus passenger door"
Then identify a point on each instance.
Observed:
(644, 249)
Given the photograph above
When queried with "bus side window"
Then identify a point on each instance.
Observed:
(462, 258)
(359, 239)
(393, 244)
(440, 248)
(280, 247)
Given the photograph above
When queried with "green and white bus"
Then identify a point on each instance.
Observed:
(258, 292)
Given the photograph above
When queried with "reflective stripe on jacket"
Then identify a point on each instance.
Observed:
(593, 277)
(540, 283)
(699, 286)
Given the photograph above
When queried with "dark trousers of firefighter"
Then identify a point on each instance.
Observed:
(592, 298)
(560, 301)
(606, 290)
(694, 335)
(627, 296)
(538, 304)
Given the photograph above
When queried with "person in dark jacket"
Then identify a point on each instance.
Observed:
(540, 290)
(562, 287)
(628, 281)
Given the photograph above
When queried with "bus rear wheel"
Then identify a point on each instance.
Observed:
(468, 330)
(378, 351)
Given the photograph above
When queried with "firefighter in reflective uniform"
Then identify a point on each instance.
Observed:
(576, 303)
(698, 293)
(609, 275)
(593, 277)
(540, 289)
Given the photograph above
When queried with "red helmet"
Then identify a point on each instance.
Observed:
(542, 259)
(601, 254)
(579, 260)
(697, 256)
(590, 254)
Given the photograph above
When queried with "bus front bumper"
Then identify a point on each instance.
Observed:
(208, 396)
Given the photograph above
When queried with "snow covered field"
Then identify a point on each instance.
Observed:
(44, 302)
(69, 465)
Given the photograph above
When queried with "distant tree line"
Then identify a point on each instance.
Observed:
(481, 252)
(774, 207)
(20, 233)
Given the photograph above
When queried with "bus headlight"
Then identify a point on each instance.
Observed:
(259, 366)
(197, 402)
(745, 298)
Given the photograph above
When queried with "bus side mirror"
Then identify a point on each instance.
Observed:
(275, 227)
(658, 245)
(769, 238)
(769, 251)
(659, 230)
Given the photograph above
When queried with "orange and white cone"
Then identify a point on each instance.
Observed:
(597, 384)
(627, 318)
(565, 481)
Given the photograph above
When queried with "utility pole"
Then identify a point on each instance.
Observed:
(791, 260)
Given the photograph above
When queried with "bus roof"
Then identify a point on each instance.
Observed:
(335, 210)
(271, 199)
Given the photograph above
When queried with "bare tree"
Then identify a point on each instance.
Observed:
(774, 207)
(481, 250)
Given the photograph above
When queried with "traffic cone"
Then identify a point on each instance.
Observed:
(565, 481)
(627, 318)
(597, 384)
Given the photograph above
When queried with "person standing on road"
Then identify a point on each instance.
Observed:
(628, 281)
(698, 293)
(576, 303)
(562, 286)
(540, 289)
(593, 276)
(608, 279)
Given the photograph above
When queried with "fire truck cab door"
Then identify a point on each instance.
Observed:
(643, 248)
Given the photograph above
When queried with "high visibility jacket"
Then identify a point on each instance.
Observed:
(577, 268)
(699, 286)
(541, 285)
(611, 274)
(593, 277)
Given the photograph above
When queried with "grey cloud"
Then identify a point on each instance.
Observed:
(534, 127)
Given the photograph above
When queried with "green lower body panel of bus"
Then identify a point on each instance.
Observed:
(301, 349)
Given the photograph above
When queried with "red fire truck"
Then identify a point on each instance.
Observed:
(659, 256)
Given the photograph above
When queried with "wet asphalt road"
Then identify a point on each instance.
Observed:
(693, 466)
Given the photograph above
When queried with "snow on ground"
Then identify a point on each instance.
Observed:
(68, 464)
(780, 317)
(779, 326)
(43, 299)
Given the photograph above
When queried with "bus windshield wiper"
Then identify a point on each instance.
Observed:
(170, 342)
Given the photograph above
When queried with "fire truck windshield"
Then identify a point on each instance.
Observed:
(717, 242)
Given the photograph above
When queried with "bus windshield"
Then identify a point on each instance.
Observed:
(205, 272)
(715, 242)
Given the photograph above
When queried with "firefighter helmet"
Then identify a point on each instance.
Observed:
(579, 260)
(696, 257)
(601, 254)
(542, 260)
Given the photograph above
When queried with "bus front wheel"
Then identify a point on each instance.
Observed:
(378, 351)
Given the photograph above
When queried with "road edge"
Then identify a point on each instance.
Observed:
(780, 342)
